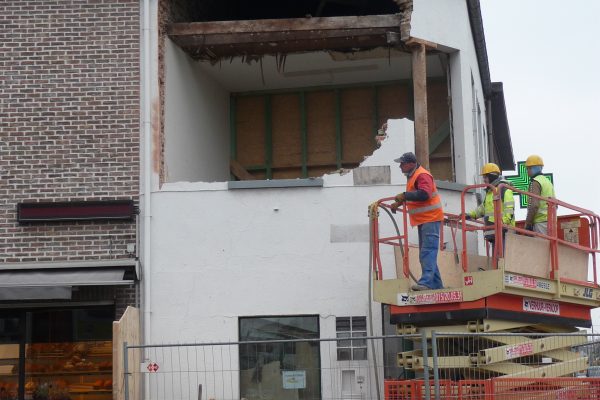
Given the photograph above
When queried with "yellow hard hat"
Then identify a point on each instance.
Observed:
(490, 168)
(534, 160)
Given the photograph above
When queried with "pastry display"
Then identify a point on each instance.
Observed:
(78, 370)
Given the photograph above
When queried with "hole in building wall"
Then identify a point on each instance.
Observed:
(274, 126)
(294, 115)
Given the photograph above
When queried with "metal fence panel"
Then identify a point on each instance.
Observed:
(482, 366)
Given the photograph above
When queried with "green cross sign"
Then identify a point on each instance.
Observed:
(522, 180)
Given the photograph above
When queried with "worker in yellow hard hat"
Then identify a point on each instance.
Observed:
(537, 210)
(493, 176)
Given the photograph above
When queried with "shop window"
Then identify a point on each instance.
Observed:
(264, 366)
(56, 354)
(349, 329)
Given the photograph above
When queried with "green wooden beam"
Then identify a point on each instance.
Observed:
(304, 133)
(232, 131)
(439, 136)
(338, 128)
(268, 136)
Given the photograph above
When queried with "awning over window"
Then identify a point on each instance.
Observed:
(83, 277)
(56, 280)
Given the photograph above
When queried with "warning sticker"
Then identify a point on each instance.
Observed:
(526, 282)
(406, 299)
(541, 306)
(432, 298)
(518, 350)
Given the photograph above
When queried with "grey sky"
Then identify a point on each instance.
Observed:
(547, 53)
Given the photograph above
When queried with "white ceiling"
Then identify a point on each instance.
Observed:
(316, 69)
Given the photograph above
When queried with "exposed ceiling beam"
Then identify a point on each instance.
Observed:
(257, 37)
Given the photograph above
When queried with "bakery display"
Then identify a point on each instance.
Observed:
(69, 371)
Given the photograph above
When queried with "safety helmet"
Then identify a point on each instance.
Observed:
(534, 160)
(490, 168)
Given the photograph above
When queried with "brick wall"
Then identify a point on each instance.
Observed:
(69, 111)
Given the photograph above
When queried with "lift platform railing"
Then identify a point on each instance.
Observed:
(455, 221)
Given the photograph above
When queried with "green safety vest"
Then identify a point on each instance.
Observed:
(486, 209)
(547, 191)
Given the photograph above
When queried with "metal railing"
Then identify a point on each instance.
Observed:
(455, 222)
(427, 365)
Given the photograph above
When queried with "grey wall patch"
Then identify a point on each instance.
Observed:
(349, 233)
(378, 175)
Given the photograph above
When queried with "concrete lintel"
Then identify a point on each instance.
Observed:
(276, 183)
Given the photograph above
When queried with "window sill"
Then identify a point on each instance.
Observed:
(275, 183)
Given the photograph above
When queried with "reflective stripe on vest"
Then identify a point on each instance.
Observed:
(429, 210)
(547, 191)
(507, 206)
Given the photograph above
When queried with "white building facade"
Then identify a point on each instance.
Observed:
(229, 259)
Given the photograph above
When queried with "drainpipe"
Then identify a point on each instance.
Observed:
(147, 171)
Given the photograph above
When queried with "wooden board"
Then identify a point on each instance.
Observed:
(531, 256)
(437, 105)
(127, 329)
(393, 102)
(250, 130)
(358, 136)
(451, 272)
(320, 118)
(287, 137)
(441, 168)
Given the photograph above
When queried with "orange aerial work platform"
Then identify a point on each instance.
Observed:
(526, 283)
(530, 275)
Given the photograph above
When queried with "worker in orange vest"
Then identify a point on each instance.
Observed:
(425, 212)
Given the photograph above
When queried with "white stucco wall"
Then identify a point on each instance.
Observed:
(196, 121)
(221, 254)
(446, 22)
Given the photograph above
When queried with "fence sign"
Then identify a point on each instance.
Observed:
(152, 367)
(294, 379)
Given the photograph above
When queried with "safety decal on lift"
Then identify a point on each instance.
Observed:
(518, 350)
(468, 280)
(541, 306)
(454, 296)
(525, 282)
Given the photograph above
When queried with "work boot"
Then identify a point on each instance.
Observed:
(418, 287)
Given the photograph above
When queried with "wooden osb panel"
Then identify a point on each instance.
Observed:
(315, 172)
(531, 256)
(437, 105)
(287, 136)
(440, 163)
(358, 136)
(320, 115)
(250, 130)
(393, 102)
(450, 270)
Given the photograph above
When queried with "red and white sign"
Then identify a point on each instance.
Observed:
(439, 297)
(152, 367)
(541, 306)
(521, 281)
(519, 350)
(469, 280)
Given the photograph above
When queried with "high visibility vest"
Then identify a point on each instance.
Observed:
(430, 210)
(547, 191)
(486, 210)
